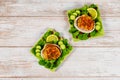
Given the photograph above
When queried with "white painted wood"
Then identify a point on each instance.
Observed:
(83, 62)
(54, 7)
(59, 78)
(22, 22)
(22, 31)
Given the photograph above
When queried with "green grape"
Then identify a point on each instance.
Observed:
(37, 54)
(75, 14)
(37, 51)
(78, 12)
(97, 23)
(60, 42)
(72, 17)
(62, 46)
(97, 27)
(38, 47)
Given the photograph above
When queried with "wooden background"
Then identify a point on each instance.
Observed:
(22, 22)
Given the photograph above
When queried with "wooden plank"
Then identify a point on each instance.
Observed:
(60, 78)
(22, 31)
(83, 62)
(54, 7)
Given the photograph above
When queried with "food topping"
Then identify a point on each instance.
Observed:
(92, 12)
(51, 38)
(85, 22)
(51, 52)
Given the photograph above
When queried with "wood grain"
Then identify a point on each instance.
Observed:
(59, 78)
(22, 31)
(83, 62)
(54, 7)
(22, 22)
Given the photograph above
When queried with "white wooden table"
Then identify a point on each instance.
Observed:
(22, 22)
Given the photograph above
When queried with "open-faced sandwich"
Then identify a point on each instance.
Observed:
(51, 50)
(85, 22)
